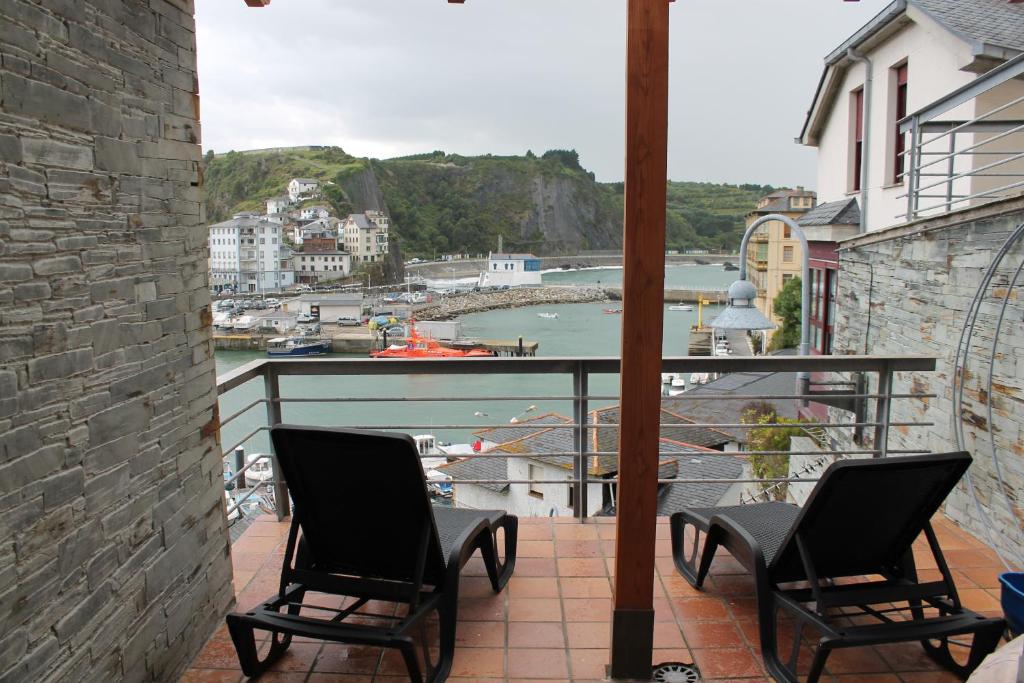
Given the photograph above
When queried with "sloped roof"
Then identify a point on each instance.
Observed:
(494, 256)
(704, 437)
(984, 22)
(843, 212)
(675, 497)
(730, 411)
(506, 435)
(307, 181)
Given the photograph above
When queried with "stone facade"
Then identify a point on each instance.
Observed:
(114, 553)
(908, 290)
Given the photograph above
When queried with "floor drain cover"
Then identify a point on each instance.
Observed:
(676, 672)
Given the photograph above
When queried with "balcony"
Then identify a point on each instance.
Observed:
(552, 622)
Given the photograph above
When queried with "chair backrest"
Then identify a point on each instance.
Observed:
(361, 502)
(864, 515)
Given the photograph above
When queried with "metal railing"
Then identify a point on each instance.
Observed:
(368, 387)
(955, 163)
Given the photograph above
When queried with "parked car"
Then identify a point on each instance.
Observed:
(304, 318)
(345, 321)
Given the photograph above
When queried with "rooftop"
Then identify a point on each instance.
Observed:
(551, 623)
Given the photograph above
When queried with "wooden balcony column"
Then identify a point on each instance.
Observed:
(643, 286)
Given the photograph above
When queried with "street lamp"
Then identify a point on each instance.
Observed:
(741, 314)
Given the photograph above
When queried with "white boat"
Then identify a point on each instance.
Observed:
(667, 377)
(705, 378)
(549, 316)
(679, 383)
(260, 470)
(680, 307)
(676, 391)
(694, 378)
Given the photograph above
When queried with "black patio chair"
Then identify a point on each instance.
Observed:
(858, 523)
(363, 528)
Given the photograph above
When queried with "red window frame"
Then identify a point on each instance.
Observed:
(901, 111)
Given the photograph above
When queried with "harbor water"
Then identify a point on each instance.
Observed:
(578, 330)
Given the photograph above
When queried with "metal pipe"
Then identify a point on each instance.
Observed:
(865, 149)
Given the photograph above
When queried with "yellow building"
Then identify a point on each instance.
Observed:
(773, 255)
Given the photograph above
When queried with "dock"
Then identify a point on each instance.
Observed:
(511, 347)
(680, 296)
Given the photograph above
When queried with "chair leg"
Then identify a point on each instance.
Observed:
(497, 571)
(983, 644)
(447, 616)
(244, 638)
(408, 650)
(687, 566)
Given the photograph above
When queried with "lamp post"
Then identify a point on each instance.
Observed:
(741, 314)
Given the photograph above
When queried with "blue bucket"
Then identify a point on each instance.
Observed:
(1013, 600)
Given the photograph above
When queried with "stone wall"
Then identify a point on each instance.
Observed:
(907, 290)
(114, 554)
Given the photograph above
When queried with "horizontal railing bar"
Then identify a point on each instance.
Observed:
(970, 173)
(243, 410)
(615, 480)
(590, 365)
(608, 425)
(973, 175)
(477, 399)
(981, 195)
(680, 454)
(243, 440)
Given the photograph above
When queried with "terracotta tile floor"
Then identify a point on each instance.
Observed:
(552, 621)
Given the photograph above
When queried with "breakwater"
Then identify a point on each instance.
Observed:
(476, 302)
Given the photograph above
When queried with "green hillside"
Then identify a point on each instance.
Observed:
(445, 203)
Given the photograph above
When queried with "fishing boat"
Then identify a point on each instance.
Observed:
(297, 346)
(612, 311)
(549, 316)
(416, 346)
(680, 307)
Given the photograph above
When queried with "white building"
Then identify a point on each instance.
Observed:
(511, 270)
(321, 266)
(313, 213)
(327, 307)
(318, 229)
(913, 53)
(548, 489)
(277, 205)
(365, 235)
(245, 255)
(302, 188)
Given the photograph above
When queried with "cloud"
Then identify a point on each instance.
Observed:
(392, 77)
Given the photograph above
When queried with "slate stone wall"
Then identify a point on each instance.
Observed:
(114, 554)
(908, 290)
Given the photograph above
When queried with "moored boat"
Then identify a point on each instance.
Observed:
(416, 346)
(549, 316)
(611, 311)
(680, 307)
(297, 346)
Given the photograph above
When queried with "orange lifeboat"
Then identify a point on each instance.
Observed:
(416, 346)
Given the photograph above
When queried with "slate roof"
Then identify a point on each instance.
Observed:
(843, 212)
(307, 181)
(511, 257)
(507, 435)
(730, 411)
(674, 497)
(995, 22)
(705, 437)
(479, 468)
(360, 220)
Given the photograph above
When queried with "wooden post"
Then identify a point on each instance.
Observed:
(643, 290)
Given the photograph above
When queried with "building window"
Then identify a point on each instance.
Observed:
(787, 254)
(900, 97)
(535, 473)
(857, 119)
(786, 232)
(570, 498)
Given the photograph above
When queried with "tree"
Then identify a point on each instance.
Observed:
(769, 439)
(789, 307)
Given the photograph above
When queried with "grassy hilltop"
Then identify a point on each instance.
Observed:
(445, 203)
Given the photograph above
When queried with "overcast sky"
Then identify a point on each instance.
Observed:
(384, 78)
